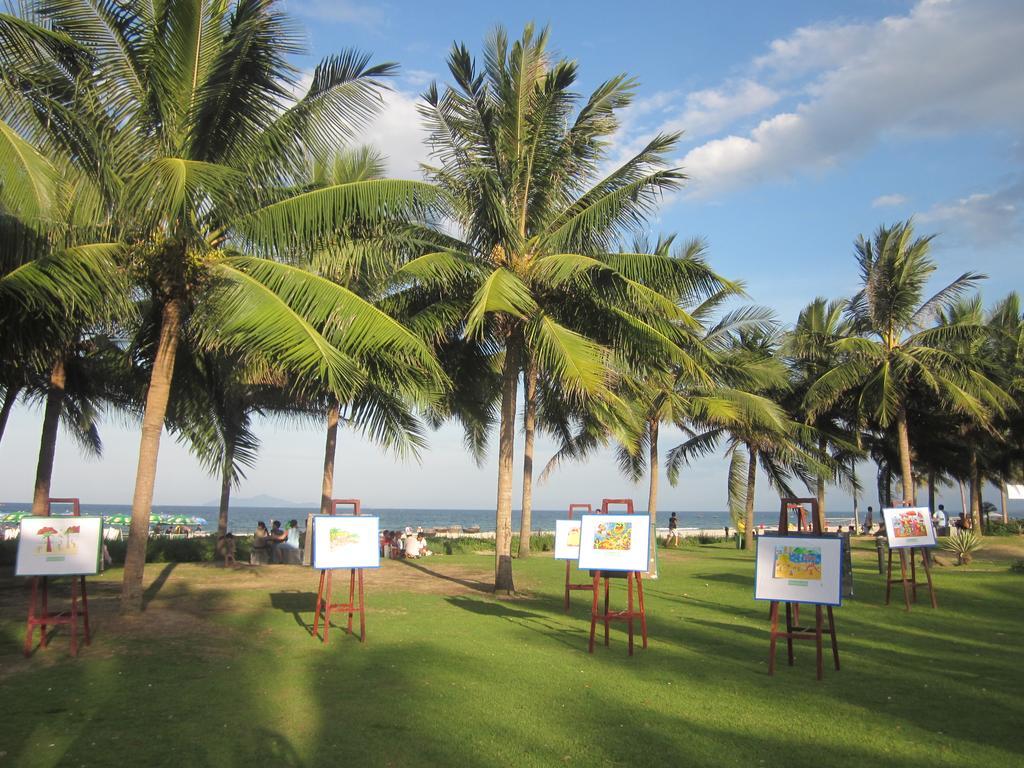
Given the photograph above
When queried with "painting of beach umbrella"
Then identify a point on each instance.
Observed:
(71, 529)
(47, 532)
(14, 517)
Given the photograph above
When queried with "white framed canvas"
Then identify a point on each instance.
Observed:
(909, 527)
(345, 541)
(567, 539)
(59, 546)
(799, 569)
(614, 542)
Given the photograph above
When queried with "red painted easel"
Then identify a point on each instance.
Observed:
(569, 586)
(38, 609)
(910, 585)
(793, 630)
(634, 610)
(324, 593)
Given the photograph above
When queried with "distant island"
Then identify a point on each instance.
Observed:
(263, 500)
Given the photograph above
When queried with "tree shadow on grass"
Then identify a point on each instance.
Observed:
(154, 589)
(475, 585)
(541, 623)
(295, 603)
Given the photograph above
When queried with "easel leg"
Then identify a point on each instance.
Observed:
(606, 588)
(773, 614)
(817, 640)
(789, 633)
(74, 616)
(593, 611)
(362, 611)
(329, 600)
(319, 603)
(46, 611)
(913, 575)
(30, 627)
(835, 643)
(629, 609)
(643, 610)
(567, 574)
(928, 574)
(351, 598)
(85, 613)
(888, 580)
(903, 574)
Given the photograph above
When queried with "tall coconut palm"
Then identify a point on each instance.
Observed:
(519, 158)
(897, 345)
(183, 118)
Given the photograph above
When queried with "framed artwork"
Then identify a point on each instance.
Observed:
(614, 542)
(567, 539)
(909, 527)
(59, 546)
(799, 569)
(344, 541)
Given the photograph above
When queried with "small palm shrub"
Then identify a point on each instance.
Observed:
(962, 543)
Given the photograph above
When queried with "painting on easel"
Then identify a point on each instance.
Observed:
(799, 569)
(59, 546)
(614, 542)
(909, 527)
(342, 541)
(567, 539)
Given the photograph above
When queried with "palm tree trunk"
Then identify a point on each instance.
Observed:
(1004, 500)
(225, 490)
(975, 481)
(48, 442)
(881, 481)
(903, 433)
(652, 499)
(10, 397)
(529, 428)
(931, 492)
(149, 448)
(963, 498)
(748, 517)
(506, 456)
(330, 451)
(823, 457)
(856, 509)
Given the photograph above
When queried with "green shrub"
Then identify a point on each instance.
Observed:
(1014, 527)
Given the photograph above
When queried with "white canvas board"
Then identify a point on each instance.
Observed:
(799, 569)
(909, 527)
(59, 546)
(614, 542)
(344, 541)
(567, 539)
(1014, 491)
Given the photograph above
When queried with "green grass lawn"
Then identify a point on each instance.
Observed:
(221, 671)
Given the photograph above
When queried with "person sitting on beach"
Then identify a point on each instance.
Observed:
(412, 546)
(421, 543)
(277, 537)
(287, 551)
(260, 554)
(673, 530)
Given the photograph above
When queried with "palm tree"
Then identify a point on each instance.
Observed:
(519, 166)
(181, 116)
(896, 345)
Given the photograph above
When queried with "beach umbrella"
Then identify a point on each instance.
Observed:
(14, 517)
(117, 519)
(182, 520)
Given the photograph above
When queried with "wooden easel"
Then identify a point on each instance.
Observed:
(325, 591)
(909, 585)
(569, 586)
(793, 629)
(38, 608)
(634, 607)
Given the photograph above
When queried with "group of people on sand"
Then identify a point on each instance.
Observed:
(276, 545)
(407, 544)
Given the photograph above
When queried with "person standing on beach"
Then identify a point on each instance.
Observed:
(673, 530)
(868, 520)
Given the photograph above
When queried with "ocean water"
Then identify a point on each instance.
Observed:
(244, 519)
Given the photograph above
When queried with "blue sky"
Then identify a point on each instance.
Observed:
(806, 124)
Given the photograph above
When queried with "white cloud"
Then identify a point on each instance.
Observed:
(983, 218)
(945, 68)
(398, 132)
(887, 201)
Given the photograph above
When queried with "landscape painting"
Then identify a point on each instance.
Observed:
(345, 541)
(909, 527)
(567, 539)
(59, 546)
(615, 542)
(798, 569)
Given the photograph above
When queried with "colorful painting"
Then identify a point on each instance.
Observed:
(615, 542)
(615, 536)
(59, 546)
(798, 563)
(799, 568)
(909, 527)
(567, 539)
(345, 541)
